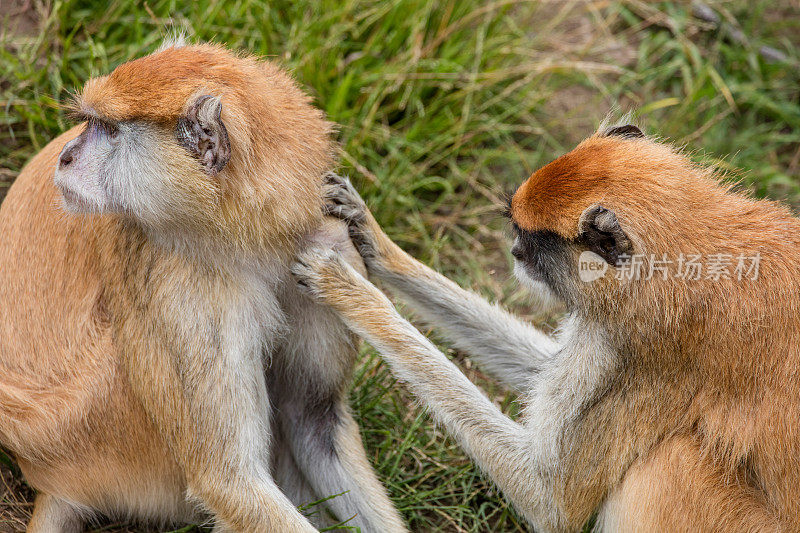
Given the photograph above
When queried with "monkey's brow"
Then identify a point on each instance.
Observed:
(506, 207)
(80, 115)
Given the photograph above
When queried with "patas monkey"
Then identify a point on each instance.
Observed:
(156, 357)
(666, 403)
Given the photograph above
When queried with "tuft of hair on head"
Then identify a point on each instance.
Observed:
(72, 106)
(504, 207)
(625, 126)
(174, 39)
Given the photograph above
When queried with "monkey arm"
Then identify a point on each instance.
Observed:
(504, 346)
(557, 466)
(497, 443)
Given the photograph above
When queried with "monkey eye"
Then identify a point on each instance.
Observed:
(110, 129)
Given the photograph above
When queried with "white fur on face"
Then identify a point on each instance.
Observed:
(546, 298)
(82, 181)
(146, 178)
(129, 171)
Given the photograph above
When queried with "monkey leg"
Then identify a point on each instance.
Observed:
(53, 515)
(308, 381)
(327, 447)
(678, 488)
(219, 428)
(229, 473)
(293, 482)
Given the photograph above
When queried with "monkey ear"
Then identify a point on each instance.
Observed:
(628, 131)
(203, 134)
(599, 230)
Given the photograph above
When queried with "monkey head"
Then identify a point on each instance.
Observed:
(197, 138)
(618, 196)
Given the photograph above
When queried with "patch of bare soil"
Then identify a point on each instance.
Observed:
(784, 11)
(582, 43)
(19, 17)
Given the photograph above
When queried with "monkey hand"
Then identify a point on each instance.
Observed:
(324, 274)
(343, 201)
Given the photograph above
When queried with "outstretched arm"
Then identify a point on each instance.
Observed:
(578, 440)
(498, 444)
(504, 346)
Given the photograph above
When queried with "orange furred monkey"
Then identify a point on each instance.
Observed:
(156, 360)
(668, 402)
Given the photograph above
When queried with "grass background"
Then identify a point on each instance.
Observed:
(443, 107)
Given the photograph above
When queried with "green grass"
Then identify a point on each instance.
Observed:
(443, 107)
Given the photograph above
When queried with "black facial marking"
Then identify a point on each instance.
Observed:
(102, 127)
(546, 257)
(628, 131)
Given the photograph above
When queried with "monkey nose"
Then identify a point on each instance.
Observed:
(516, 251)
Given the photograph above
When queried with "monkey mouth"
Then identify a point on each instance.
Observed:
(537, 287)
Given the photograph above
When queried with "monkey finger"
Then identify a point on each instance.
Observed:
(334, 178)
(335, 201)
(360, 239)
(342, 195)
(303, 275)
(337, 187)
(314, 265)
(332, 183)
(335, 210)
(344, 212)
(331, 191)
(314, 257)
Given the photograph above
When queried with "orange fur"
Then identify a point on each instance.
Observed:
(130, 348)
(280, 144)
(713, 358)
(666, 404)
